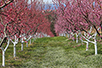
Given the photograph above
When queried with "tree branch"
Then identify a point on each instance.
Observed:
(5, 4)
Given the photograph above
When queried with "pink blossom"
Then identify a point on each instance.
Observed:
(10, 9)
(25, 41)
(73, 38)
(73, 46)
(81, 23)
(11, 4)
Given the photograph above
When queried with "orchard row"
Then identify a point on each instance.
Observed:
(81, 19)
(21, 21)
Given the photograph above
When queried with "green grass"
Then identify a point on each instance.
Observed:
(54, 52)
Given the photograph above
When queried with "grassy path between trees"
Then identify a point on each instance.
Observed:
(55, 52)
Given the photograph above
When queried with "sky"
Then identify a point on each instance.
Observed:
(48, 1)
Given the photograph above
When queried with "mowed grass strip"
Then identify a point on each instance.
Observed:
(54, 52)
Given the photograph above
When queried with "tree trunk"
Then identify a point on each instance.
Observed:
(3, 53)
(95, 48)
(3, 58)
(76, 38)
(87, 43)
(68, 35)
(27, 44)
(21, 46)
(14, 54)
(30, 41)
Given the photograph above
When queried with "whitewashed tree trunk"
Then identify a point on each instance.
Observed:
(30, 41)
(22, 46)
(87, 43)
(68, 35)
(95, 44)
(3, 58)
(73, 38)
(22, 43)
(14, 54)
(88, 37)
(76, 38)
(27, 44)
(33, 39)
(14, 45)
(3, 53)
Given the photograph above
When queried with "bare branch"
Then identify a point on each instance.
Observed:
(5, 4)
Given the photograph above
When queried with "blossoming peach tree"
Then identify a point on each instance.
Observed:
(80, 16)
(20, 21)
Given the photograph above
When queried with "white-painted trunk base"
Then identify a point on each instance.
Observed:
(3, 58)
(76, 38)
(14, 54)
(87, 46)
(27, 44)
(95, 49)
(30, 41)
(21, 46)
